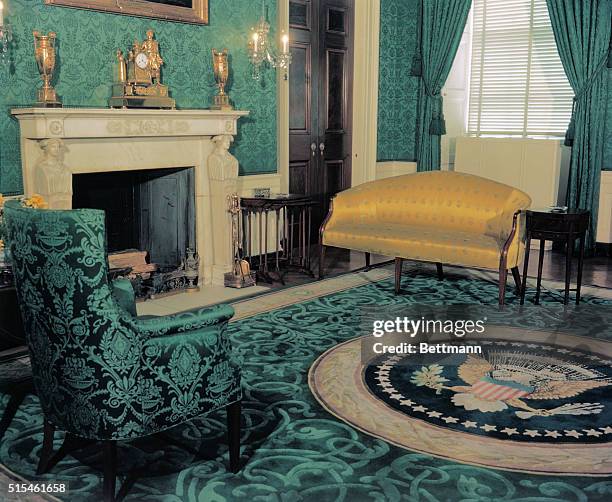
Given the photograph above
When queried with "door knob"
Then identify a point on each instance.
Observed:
(313, 148)
(322, 148)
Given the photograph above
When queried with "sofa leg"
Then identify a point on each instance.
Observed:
(110, 470)
(367, 258)
(398, 274)
(233, 433)
(321, 260)
(440, 271)
(503, 276)
(516, 275)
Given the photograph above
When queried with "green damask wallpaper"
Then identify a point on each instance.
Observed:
(397, 88)
(87, 42)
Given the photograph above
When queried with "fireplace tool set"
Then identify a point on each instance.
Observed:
(241, 275)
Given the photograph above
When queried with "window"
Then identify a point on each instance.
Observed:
(517, 83)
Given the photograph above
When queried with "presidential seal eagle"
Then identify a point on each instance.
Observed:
(501, 379)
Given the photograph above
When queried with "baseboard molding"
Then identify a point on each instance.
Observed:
(394, 168)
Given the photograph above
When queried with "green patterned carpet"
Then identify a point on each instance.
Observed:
(292, 449)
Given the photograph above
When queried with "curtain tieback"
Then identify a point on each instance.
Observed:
(571, 128)
(437, 126)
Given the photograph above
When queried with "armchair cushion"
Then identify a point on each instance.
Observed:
(420, 243)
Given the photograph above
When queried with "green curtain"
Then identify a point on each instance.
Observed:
(442, 25)
(582, 34)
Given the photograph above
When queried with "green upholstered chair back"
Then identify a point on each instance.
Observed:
(81, 342)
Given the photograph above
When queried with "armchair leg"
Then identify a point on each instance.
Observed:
(47, 448)
(321, 260)
(110, 470)
(233, 433)
(10, 411)
(516, 275)
(367, 258)
(440, 271)
(398, 274)
(503, 277)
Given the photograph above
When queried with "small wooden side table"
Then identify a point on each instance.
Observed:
(556, 225)
(293, 214)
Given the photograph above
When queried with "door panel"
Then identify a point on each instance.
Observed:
(334, 176)
(300, 14)
(320, 98)
(299, 100)
(335, 91)
(336, 20)
(298, 180)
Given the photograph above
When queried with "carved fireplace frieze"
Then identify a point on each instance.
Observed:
(148, 127)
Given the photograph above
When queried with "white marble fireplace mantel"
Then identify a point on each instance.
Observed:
(59, 142)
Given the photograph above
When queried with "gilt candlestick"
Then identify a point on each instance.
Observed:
(44, 52)
(221, 71)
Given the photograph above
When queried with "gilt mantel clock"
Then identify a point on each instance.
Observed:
(186, 11)
(138, 80)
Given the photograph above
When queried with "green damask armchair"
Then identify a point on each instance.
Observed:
(99, 371)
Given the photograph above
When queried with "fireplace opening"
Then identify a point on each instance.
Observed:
(150, 225)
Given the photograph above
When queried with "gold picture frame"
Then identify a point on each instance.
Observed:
(196, 14)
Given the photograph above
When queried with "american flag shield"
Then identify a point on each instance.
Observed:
(492, 390)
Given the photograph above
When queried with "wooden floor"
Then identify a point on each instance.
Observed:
(597, 271)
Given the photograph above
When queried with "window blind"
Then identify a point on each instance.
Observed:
(517, 83)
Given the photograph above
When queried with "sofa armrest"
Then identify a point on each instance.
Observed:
(123, 293)
(354, 206)
(514, 245)
(184, 322)
(512, 228)
(512, 234)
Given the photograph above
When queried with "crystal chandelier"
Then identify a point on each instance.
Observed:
(262, 53)
(5, 36)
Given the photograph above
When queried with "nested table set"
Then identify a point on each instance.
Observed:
(289, 217)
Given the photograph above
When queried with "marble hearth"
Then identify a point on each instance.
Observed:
(57, 143)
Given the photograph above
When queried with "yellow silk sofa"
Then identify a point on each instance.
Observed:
(441, 217)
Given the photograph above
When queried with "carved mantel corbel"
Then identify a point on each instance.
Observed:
(223, 180)
(52, 177)
(222, 165)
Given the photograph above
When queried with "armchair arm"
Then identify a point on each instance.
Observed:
(183, 322)
(123, 293)
(191, 370)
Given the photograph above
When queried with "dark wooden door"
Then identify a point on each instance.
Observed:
(320, 98)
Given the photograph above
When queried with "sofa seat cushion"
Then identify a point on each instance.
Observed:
(417, 243)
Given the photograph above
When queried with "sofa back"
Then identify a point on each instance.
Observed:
(440, 199)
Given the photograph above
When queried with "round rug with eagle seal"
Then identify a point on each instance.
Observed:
(521, 404)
